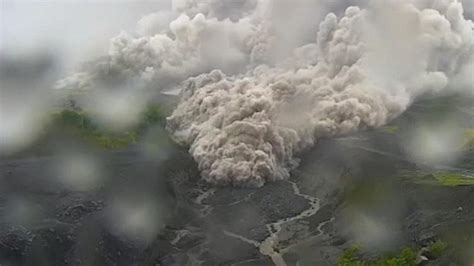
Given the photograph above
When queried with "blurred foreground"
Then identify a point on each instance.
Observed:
(140, 201)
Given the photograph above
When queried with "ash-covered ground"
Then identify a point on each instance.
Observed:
(361, 189)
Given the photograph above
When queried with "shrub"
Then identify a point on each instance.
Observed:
(352, 257)
(81, 124)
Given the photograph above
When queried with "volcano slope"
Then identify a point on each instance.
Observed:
(366, 189)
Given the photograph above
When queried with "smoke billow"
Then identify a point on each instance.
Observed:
(268, 93)
(195, 42)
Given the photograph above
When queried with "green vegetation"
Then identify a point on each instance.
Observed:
(406, 257)
(390, 129)
(469, 142)
(439, 178)
(80, 123)
(352, 257)
(438, 248)
(454, 179)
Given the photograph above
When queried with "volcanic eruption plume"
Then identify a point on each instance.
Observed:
(257, 88)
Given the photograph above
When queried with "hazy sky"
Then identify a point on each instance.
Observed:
(74, 29)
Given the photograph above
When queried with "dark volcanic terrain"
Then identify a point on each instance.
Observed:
(359, 189)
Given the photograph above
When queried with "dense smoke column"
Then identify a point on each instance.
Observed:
(246, 130)
(273, 85)
(169, 47)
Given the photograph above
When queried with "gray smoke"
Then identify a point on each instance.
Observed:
(170, 46)
(368, 67)
(279, 80)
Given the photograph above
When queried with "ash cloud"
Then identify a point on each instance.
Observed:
(261, 84)
(170, 46)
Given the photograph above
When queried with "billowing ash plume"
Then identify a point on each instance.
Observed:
(166, 51)
(271, 98)
(370, 64)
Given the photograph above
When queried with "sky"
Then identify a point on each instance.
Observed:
(75, 30)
